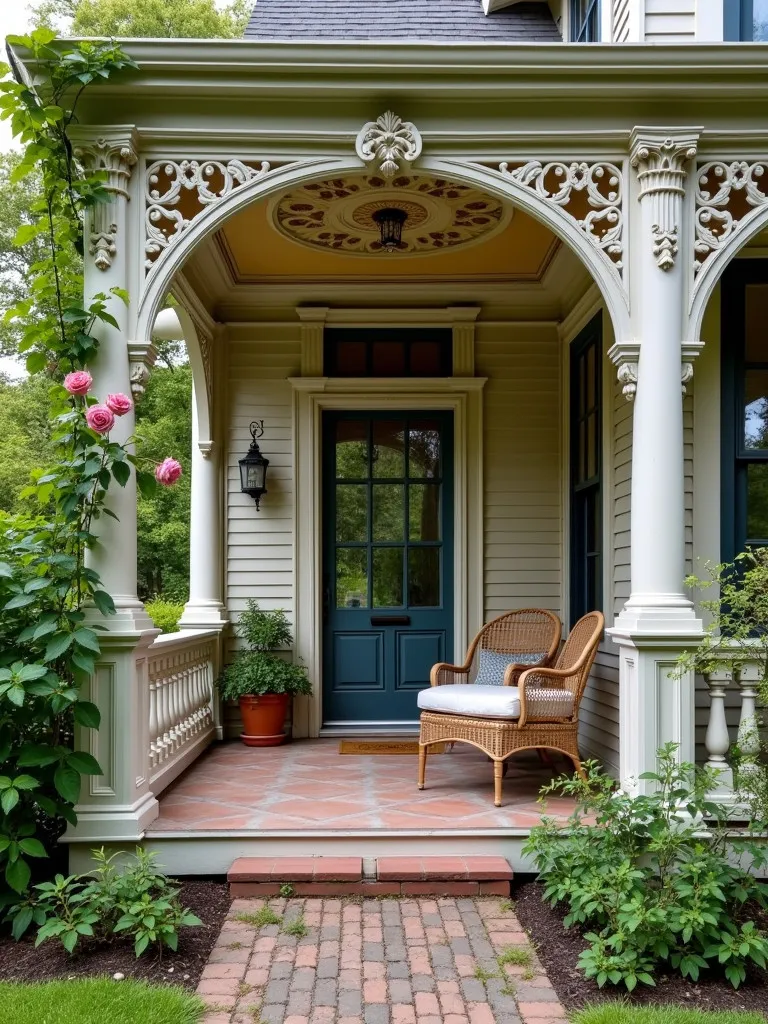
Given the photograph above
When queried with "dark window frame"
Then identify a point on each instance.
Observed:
(585, 29)
(735, 457)
(409, 336)
(586, 495)
(738, 21)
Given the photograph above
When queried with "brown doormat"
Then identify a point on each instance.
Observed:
(386, 747)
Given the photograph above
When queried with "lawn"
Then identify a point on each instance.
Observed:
(97, 1001)
(619, 1013)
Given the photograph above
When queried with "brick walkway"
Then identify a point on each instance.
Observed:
(440, 960)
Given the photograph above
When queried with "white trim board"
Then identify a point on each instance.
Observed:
(311, 397)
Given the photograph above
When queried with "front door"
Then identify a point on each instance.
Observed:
(388, 561)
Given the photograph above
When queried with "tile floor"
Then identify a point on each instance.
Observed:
(308, 786)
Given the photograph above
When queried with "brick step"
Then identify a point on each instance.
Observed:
(387, 876)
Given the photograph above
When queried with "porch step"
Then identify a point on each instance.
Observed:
(384, 876)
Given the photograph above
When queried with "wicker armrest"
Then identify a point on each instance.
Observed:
(514, 671)
(533, 679)
(443, 674)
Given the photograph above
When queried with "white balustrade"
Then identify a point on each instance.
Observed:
(181, 671)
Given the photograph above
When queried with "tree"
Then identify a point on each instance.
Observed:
(160, 19)
(24, 435)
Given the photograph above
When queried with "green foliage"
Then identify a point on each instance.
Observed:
(297, 927)
(158, 19)
(98, 1001)
(24, 435)
(164, 614)
(137, 903)
(263, 916)
(520, 956)
(258, 671)
(652, 877)
(264, 631)
(621, 1013)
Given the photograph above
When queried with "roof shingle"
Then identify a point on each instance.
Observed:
(456, 20)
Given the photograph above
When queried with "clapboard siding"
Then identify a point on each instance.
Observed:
(670, 21)
(619, 501)
(522, 466)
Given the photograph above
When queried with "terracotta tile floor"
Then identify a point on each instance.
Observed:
(308, 786)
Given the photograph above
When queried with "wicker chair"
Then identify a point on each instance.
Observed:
(542, 709)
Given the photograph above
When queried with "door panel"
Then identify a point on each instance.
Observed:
(387, 561)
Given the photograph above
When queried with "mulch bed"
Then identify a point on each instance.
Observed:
(20, 961)
(559, 952)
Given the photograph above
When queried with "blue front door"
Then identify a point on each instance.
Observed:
(388, 561)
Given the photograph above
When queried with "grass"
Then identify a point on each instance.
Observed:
(520, 956)
(506, 906)
(482, 975)
(297, 928)
(263, 916)
(97, 1001)
(620, 1013)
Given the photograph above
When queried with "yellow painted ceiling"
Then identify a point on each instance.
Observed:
(255, 252)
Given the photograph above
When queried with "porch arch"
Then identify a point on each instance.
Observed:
(160, 278)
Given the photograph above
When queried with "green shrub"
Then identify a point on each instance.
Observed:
(138, 902)
(652, 877)
(165, 614)
(259, 670)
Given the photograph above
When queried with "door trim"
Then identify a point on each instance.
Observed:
(311, 397)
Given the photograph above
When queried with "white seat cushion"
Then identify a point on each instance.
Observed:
(481, 701)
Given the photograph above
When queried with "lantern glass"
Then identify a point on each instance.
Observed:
(390, 221)
(253, 468)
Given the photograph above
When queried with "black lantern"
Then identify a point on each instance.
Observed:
(390, 221)
(253, 467)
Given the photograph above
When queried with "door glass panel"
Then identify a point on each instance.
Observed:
(423, 577)
(756, 323)
(756, 409)
(351, 578)
(424, 449)
(388, 512)
(351, 513)
(424, 512)
(591, 446)
(352, 449)
(387, 577)
(757, 502)
(760, 21)
(388, 454)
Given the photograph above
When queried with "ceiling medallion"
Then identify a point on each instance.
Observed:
(341, 214)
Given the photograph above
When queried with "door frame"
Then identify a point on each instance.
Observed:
(311, 397)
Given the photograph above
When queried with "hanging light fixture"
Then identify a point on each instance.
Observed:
(390, 221)
(253, 466)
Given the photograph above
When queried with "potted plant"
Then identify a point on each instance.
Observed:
(260, 679)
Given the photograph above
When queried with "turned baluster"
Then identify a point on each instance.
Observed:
(748, 677)
(717, 741)
(154, 752)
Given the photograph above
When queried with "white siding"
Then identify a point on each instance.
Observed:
(670, 21)
(522, 468)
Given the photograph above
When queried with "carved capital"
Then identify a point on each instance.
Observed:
(110, 150)
(625, 356)
(141, 358)
(389, 142)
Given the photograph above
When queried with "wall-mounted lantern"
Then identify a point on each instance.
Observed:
(253, 466)
(390, 222)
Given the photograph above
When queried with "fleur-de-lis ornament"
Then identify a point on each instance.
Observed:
(389, 141)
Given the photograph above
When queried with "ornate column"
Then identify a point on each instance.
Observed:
(658, 621)
(107, 266)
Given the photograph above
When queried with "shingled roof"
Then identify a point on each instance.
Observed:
(457, 20)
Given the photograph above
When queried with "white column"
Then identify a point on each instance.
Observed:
(205, 607)
(658, 621)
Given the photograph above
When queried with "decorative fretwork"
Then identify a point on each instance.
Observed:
(388, 141)
(591, 194)
(176, 193)
(726, 194)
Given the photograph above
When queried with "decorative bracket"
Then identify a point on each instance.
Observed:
(390, 142)
(141, 357)
(660, 159)
(114, 154)
(626, 355)
(727, 193)
(206, 448)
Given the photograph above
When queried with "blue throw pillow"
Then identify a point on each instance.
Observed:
(493, 665)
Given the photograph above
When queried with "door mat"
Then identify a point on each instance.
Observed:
(386, 747)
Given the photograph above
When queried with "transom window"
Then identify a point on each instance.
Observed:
(388, 352)
(745, 406)
(585, 21)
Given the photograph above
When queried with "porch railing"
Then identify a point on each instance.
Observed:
(741, 679)
(181, 671)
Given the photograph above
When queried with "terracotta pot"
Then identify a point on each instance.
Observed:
(263, 719)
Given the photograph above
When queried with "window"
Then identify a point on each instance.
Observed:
(744, 344)
(585, 21)
(746, 21)
(586, 471)
(388, 352)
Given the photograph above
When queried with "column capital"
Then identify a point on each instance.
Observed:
(660, 157)
(112, 149)
(141, 358)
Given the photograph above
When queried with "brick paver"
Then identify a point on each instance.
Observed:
(420, 960)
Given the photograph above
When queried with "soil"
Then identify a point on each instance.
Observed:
(559, 951)
(20, 961)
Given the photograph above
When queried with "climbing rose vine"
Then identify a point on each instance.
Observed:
(51, 601)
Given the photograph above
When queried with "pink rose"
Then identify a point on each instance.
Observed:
(78, 383)
(119, 404)
(100, 418)
(168, 472)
